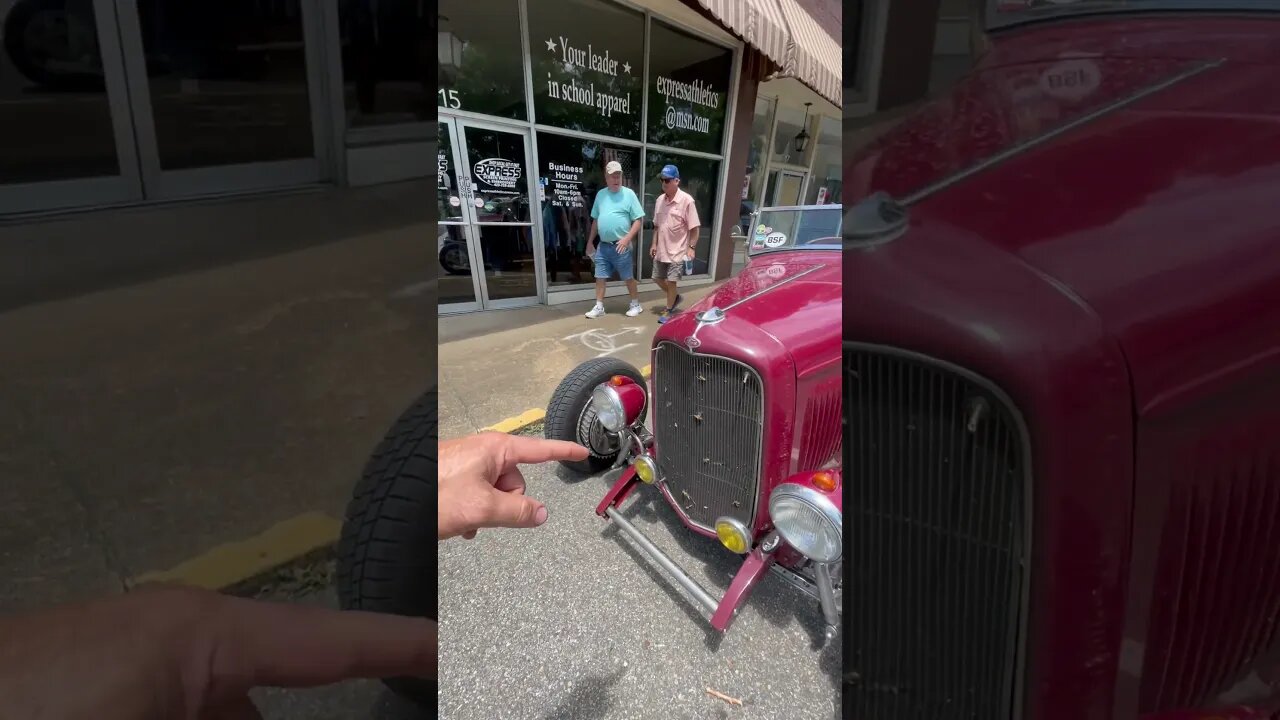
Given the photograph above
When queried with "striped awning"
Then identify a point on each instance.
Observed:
(759, 22)
(790, 37)
(813, 57)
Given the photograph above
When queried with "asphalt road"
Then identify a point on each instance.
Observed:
(570, 621)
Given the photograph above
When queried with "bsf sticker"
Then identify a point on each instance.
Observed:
(455, 201)
(775, 240)
(776, 271)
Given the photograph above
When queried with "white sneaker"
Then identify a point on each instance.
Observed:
(635, 309)
(596, 311)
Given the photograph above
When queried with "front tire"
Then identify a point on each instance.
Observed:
(386, 553)
(570, 417)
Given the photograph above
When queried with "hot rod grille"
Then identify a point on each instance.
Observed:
(935, 467)
(708, 416)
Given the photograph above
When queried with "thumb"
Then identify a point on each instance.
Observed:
(516, 511)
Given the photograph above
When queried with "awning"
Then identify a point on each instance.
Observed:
(759, 22)
(813, 57)
(790, 37)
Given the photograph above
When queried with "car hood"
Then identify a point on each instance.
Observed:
(780, 302)
(1149, 210)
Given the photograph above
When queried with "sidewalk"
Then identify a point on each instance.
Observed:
(497, 365)
(152, 414)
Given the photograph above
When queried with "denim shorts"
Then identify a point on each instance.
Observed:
(608, 261)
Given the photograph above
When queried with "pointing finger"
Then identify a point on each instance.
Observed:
(520, 449)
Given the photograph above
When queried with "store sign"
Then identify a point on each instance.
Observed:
(586, 93)
(565, 183)
(498, 173)
(690, 97)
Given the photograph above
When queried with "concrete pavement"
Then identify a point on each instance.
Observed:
(500, 364)
(165, 412)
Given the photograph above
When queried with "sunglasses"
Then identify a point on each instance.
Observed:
(666, 180)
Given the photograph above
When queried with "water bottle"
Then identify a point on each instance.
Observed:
(688, 264)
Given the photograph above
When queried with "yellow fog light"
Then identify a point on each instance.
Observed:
(733, 534)
(645, 469)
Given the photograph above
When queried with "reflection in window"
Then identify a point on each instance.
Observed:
(688, 90)
(454, 277)
(52, 81)
(574, 172)
(825, 183)
(481, 63)
(790, 120)
(698, 177)
(384, 60)
(757, 155)
(588, 66)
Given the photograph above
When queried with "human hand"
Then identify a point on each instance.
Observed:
(653, 251)
(623, 244)
(480, 485)
(170, 653)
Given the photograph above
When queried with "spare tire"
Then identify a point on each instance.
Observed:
(570, 417)
(387, 551)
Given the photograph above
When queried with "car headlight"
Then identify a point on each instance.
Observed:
(733, 534)
(807, 520)
(609, 410)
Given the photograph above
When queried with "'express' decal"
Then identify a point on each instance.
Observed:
(498, 172)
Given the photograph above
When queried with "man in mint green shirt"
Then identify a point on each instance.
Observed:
(617, 216)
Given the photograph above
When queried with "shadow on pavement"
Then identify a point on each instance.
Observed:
(774, 599)
(589, 698)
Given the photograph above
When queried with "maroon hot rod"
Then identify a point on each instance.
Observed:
(739, 428)
(1062, 367)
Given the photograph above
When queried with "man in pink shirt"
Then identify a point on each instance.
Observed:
(675, 224)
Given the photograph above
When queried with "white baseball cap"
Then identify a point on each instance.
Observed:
(613, 167)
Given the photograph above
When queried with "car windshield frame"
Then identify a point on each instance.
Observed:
(1045, 10)
(755, 246)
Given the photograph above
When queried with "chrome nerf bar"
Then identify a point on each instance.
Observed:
(697, 591)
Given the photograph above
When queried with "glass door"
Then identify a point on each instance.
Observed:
(487, 245)
(459, 286)
(224, 93)
(66, 135)
(505, 251)
(787, 191)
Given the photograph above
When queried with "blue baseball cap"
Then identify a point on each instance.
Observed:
(670, 171)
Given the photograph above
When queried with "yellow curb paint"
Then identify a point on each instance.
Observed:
(533, 415)
(228, 565)
(519, 422)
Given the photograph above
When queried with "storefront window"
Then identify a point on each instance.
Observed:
(570, 174)
(384, 60)
(825, 181)
(688, 90)
(757, 155)
(790, 120)
(588, 66)
(481, 60)
(698, 177)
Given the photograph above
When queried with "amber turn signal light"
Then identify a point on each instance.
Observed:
(824, 481)
(617, 380)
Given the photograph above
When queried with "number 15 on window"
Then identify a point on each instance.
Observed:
(449, 99)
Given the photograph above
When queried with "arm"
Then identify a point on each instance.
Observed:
(591, 236)
(693, 240)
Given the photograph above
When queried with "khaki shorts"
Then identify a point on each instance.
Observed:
(667, 271)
